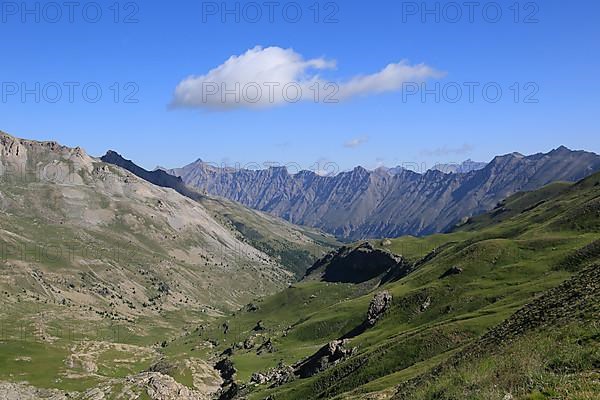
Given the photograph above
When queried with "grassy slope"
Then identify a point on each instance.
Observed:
(509, 257)
(548, 349)
(295, 247)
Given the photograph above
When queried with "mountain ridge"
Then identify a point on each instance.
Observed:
(362, 204)
(100, 268)
(240, 218)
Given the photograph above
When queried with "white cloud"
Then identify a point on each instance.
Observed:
(354, 143)
(266, 77)
(389, 79)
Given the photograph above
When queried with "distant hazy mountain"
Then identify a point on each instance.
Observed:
(463, 168)
(365, 204)
(447, 168)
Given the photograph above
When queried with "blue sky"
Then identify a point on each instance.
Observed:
(550, 49)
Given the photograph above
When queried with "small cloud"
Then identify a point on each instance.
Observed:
(447, 151)
(266, 77)
(356, 142)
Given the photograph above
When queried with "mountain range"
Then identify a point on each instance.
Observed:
(125, 283)
(462, 168)
(362, 204)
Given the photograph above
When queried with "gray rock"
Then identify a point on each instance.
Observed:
(276, 376)
(326, 357)
(379, 305)
(452, 271)
(249, 343)
(426, 304)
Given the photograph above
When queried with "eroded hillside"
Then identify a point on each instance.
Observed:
(99, 266)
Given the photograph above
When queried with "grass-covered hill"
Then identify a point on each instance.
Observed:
(504, 307)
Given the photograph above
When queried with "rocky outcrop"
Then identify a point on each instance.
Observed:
(426, 304)
(359, 264)
(379, 305)
(155, 385)
(229, 388)
(259, 327)
(226, 370)
(452, 271)
(249, 343)
(275, 377)
(329, 355)
(362, 204)
(266, 347)
(164, 387)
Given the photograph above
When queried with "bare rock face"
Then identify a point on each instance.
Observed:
(163, 387)
(357, 264)
(379, 305)
(362, 204)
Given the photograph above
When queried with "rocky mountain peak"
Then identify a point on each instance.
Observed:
(561, 150)
(361, 204)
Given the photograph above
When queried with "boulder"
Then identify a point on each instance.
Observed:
(379, 305)
(226, 369)
(426, 304)
(249, 343)
(276, 377)
(328, 356)
(266, 347)
(259, 327)
(452, 271)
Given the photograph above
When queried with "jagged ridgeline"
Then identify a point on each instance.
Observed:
(99, 263)
(362, 204)
(506, 306)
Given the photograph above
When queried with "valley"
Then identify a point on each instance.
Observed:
(453, 317)
(128, 284)
(322, 200)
